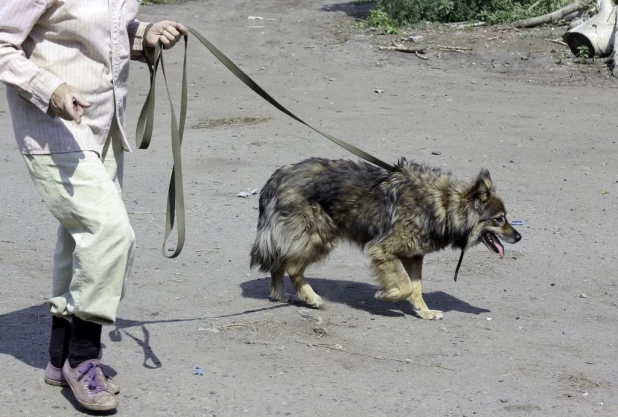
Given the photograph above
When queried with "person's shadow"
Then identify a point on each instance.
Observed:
(360, 295)
(24, 335)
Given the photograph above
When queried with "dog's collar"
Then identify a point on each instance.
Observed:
(462, 253)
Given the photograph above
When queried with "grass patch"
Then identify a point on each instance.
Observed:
(392, 14)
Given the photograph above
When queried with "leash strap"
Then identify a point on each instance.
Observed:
(175, 214)
(260, 91)
(458, 265)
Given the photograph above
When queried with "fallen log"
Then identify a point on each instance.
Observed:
(595, 35)
(552, 17)
(402, 48)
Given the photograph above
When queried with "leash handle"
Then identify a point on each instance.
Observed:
(175, 213)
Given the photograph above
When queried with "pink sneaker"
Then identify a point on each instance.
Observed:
(89, 386)
(53, 376)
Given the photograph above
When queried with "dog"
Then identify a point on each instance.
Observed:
(397, 217)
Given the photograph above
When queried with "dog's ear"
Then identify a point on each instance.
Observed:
(484, 181)
(480, 189)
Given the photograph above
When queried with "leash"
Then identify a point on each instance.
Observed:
(458, 265)
(175, 214)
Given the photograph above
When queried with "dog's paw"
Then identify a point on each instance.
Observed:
(284, 298)
(315, 301)
(429, 314)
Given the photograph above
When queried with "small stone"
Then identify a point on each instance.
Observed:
(416, 38)
(436, 153)
(379, 90)
(553, 284)
(584, 394)
(511, 161)
(583, 295)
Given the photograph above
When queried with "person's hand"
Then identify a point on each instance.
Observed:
(167, 32)
(66, 102)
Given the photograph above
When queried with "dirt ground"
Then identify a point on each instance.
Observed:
(533, 334)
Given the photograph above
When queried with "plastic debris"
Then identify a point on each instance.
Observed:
(211, 329)
(249, 193)
(416, 38)
(198, 371)
(436, 153)
(255, 18)
(517, 223)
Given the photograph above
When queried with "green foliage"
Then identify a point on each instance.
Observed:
(380, 18)
(583, 54)
(402, 12)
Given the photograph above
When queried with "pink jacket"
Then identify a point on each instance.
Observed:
(84, 43)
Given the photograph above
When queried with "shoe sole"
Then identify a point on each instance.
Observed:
(95, 407)
(55, 383)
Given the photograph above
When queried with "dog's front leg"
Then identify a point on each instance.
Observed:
(414, 268)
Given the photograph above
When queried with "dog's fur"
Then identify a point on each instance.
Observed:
(397, 217)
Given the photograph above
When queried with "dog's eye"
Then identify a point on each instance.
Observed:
(499, 219)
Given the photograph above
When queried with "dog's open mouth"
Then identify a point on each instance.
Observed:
(492, 242)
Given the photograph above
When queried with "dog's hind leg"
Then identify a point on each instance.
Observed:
(414, 267)
(394, 282)
(303, 289)
(277, 287)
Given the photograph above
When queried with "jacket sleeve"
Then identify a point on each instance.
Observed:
(16, 71)
(136, 30)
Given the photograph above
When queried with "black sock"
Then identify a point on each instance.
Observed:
(59, 341)
(85, 341)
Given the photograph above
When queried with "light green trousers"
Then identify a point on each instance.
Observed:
(94, 250)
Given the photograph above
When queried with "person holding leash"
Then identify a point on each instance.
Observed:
(66, 66)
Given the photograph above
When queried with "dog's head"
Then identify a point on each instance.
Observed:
(487, 216)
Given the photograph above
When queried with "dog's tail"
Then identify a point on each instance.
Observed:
(266, 252)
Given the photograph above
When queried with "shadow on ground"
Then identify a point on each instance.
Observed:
(360, 296)
(352, 8)
(24, 335)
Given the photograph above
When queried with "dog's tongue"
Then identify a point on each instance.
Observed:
(498, 246)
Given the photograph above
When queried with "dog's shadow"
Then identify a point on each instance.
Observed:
(360, 296)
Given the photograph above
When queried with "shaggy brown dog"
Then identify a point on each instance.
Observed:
(397, 217)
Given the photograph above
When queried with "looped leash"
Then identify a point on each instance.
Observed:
(175, 214)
